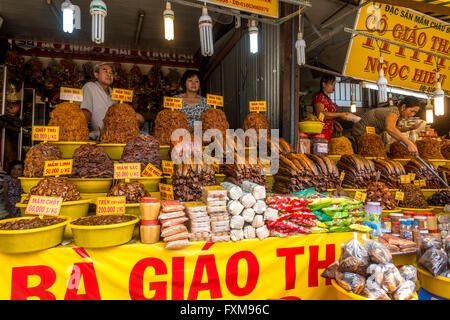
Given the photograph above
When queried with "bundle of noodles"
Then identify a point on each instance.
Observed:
(120, 124)
(143, 149)
(371, 145)
(445, 149)
(397, 151)
(36, 157)
(429, 149)
(133, 191)
(340, 146)
(256, 121)
(90, 161)
(215, 119)
(423, 173)
(56, 187)
(167, 121)
(71, 122)
(390, 172)
(359, 172)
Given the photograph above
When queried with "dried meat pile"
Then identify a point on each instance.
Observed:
(302, 171)
(340, 146)
(390, 171)
(429, 149)
(103, 220)
(215, 119)
(26, 224)
(359, 172)
(423, 173)
(243, 169)
(56, 187)
(440, 198)
(143, 149)
(90, 161)
(189, 178)
(167, 121)
(445, 149)
(120, 124)
(379, 192)
(71, 122)
(413, 197)
(396, 244)
(282, 146)
(371, 145)
(36, 157)
(397, 151)
(133, 191)
(256, 121)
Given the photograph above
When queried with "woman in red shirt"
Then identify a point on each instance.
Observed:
(323, 104)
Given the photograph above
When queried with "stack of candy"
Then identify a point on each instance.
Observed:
(215, 198)
(199, 222)
(172, 218)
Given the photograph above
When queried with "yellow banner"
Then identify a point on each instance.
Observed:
(273, 268)
(402, 67)
(267, 8)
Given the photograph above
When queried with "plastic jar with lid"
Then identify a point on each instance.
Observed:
(319, 145)
(405, 230)
(395, 216)
(409, 216)
(435, 234)
(304, 144)
(149, 208)
(422, 220)
(385, 225)
(150, 231)
(416, 233)
(431, 221)
(395, 228)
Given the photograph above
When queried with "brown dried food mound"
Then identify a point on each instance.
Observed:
(215, 119)
(102, 220)
(120, 124)
(56, 187)
(25, 224)
(397, 151)
(71, 122)
(440, 198)
(133, 191)
(390, 172)
(90, 161)
(340, 146)
(379, 192)
(371, 145)
(423, 173)
(256, 121)
(36, 157)
(429, 149)
(143, 149)
(413, 197)
(167, 121)
(359, 171)
(445, 149)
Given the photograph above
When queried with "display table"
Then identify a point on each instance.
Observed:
(273, 268)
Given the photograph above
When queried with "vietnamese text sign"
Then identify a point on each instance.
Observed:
(167, 167)
(122, 95)
(166, 191)
(267, 8)
(173, 103)
(40, 205)
(402, 67)
(151, 171)
(127, 170)
(214, 100)
(71, 94)
(257, 106)
(110, 205)
(58, 167)
(44, 133)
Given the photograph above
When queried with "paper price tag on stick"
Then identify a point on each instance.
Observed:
(405, 179)
(151, 171)
(321, 116)
(71, 94)
(173, 103)
(214, 100)
(360, 196)
(258, 106)
(44, 133)
(110, 205)
(399, 195)
(167, 167)
(57, 168)
(40, 205)
(127, 170)
(166, 191)
(370, 130)
(122, 95)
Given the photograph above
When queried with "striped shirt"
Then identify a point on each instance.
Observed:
(374, 118)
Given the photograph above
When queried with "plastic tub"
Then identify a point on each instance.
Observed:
(28, 183)
(164, 151)
(343, 294)
(113, 150)
(72, 209)
(103, 236)
(151, 184)
(92, 185)
(310, 126)
(439, 286)
(68, 147)
(23, 241)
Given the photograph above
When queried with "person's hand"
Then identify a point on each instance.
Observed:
(338, 126)
(412, 148)
(345, 116)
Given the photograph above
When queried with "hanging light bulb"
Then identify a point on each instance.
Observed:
(168, 22)
(300, 44)
(382, 84)
(98, 12)
(391, 102)
(438, 98)
(353, 100)
(71, 16)
(253, 34)
(429, 112)
(206, 36)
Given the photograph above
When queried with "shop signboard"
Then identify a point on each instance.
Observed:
(268, 8)
(403, 67)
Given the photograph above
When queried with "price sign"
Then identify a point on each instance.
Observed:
(122, 95)
(420, 183)
(166, 191)
(399, 195)
(173, 103)
(111, 205)
(370, 130)
(151, 171)
(321, 116)
(58, 167)
(360, 196)
(71, 94)
(258, 106)
(412, 176)
(44, 133)
(127, 170)
(342, 176)
(167, 167)
(405, 179)
(40, 205)
(214, 100)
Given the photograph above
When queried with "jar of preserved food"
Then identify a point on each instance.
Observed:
(416, 233)
(304, 144)
(395, 228)
(408, 216)
(435, 234)
(395, 217)
(422, 221)
(373, 210)
(431, 221)
(150, 231)
(385, 225)
(319, 145)
(405, 230)
(149, 208)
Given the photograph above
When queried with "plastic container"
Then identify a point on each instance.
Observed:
(385, 225)
(422, 221)
(309, 126)
(113, 150)
(431, 221)
(395, 227)
(435, 234)
(416, 233)
(92, 185)
(373, 210)
(406, 230)
(304, 143)
(150, 230)
(439, 286)
(395, 217)
(149, 208)
(319, 145)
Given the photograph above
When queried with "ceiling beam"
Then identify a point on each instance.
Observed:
(419, 6)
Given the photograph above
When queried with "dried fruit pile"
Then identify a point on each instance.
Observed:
(359, 172)
(397, 151)
(36, 157)
(90, 161)
(56, 187)
(133, 191)
(120, 124)
(413, 197)
(379, 192)
(423, 173)
(167, 121)
(429, 149)
(371, 145)
(71, 122)
(340, 146)
(143, 149)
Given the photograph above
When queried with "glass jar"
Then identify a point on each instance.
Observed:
(149, 208)
(150, 231)
(395, 217)
(405, 230)
(385, 225)
(319, 145)
(416, 233)
(395, 228)
(304, 144)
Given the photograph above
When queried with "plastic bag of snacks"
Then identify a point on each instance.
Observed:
(408, 272)
(351, 282)
(354, 257)
(434, 261)
(378, 253)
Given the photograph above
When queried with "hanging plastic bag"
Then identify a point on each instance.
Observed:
(378, 252)
(351, 282)
(434, 261)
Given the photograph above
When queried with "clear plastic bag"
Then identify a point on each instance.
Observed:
(351, 282)
(330, 271)
(409, 272)
(354, 257)
(405, 291)
(376, 275)
(434, 261)
(392, 278)
(375, 293)
(378, 252)
(428, 243)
